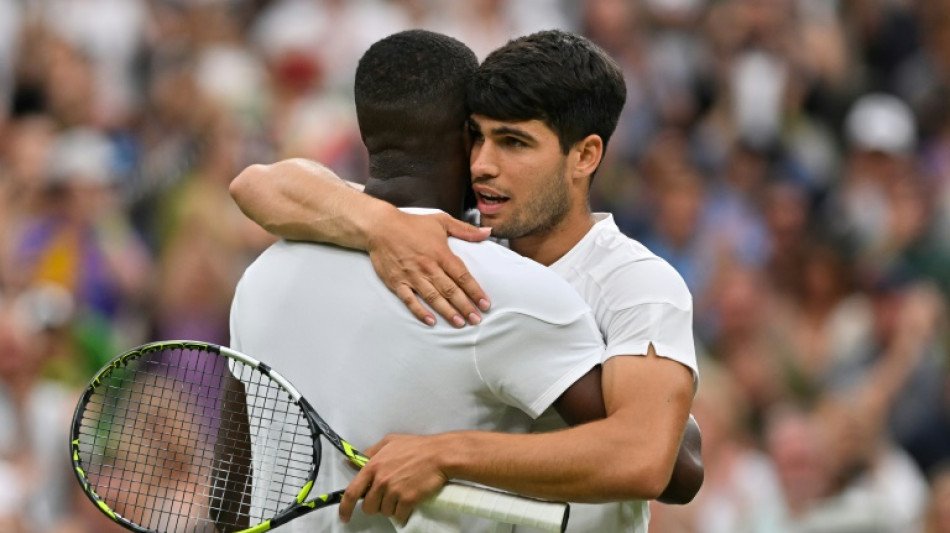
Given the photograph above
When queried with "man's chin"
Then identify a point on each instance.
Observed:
(496, 222)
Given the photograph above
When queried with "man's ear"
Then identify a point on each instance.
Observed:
(589, 151)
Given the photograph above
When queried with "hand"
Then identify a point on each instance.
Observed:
(411, 255)
(402, 473)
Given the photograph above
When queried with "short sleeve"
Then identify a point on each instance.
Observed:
(528, 362)
(668, 328)
(648, 303)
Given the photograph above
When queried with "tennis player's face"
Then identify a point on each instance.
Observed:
(519, 176)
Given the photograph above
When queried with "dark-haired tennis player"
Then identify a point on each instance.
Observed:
(543, 108)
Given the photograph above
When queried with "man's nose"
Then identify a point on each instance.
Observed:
(484, 163)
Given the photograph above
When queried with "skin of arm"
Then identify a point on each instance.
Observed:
(688, 472)
(298, 199)
(630, 454)
(232, 462)
(583, 402)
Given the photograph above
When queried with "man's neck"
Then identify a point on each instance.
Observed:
(548, 247)
(413, 191)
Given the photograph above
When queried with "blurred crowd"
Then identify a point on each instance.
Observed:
(791, 158)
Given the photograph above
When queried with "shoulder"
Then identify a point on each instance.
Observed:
(627, 270)
(295, 261)
(284, 251)
(517, 284)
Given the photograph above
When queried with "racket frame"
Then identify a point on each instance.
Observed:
(545, 515)
(317, 427)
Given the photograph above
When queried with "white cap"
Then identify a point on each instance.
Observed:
(881, 122)
(82, 154)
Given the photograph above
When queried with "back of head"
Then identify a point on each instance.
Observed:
(410, 104)
(558, 77)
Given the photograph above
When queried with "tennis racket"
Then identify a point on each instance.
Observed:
(162, 442)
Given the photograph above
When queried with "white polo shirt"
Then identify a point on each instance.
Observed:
(638, 299)
(319, 315)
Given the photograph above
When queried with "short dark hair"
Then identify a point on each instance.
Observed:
(413, 70)
(410, 105)
(558, 77)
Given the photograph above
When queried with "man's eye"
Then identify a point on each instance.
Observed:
(514, 142)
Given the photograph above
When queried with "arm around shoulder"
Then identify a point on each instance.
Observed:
(628, 455)
(298, 199)
(303, 200)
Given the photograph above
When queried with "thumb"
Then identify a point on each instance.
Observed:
(466, 231)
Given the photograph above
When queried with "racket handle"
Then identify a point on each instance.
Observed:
(502, 507)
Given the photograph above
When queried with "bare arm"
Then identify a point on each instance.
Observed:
(584, 402)
(628, 455)
(299, 199)
(303, 200)
(688, 472)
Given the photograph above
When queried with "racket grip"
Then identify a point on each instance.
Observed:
(502, 507)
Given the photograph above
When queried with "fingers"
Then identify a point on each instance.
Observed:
(414, 260)
(448, 300)
(362, 488)
(448, 288)
(403, 512)
(465, 231)
(459, 286)
(388, 504)
(354, 491)
(377, 501)
(408, 297)
(373, 499)
(455, 268)
(388, 501)
(442, 295)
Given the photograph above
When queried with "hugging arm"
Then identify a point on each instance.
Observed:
(630, 454)
(584, 402)
(298, 199)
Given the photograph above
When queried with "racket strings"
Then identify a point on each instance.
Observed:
(282, 442)
(165, 441)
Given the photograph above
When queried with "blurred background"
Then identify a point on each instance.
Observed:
(791, 158)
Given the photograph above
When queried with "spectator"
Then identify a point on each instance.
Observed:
(79, 240)
(34, 420)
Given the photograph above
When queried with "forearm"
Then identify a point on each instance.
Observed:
(593, 463)
(302, 200)
(628, 455)
(584, 402)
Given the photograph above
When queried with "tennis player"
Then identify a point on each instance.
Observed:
(319, 312)
(544, 107)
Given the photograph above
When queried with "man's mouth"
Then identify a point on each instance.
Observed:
(491, 199)
(489, 203)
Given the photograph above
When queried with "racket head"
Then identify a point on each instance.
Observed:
(159, 445)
